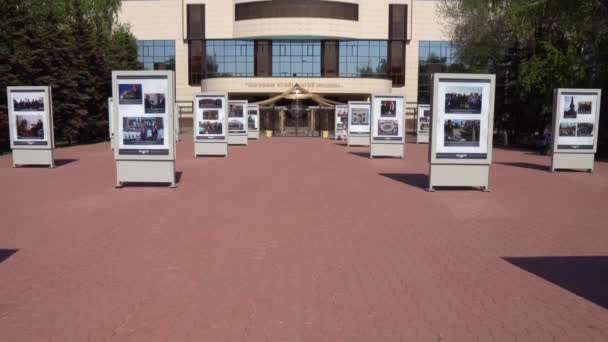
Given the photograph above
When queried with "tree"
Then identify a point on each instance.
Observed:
(533, 47)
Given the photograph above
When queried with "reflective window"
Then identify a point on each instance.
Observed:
(296, 58)
(156, 54)
(229, 58)
(442, 56)
(363, 58)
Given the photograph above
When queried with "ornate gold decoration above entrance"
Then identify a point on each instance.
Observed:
(298, 93)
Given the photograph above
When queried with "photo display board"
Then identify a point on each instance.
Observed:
(424, 119)
(210, 111)
(253, 117)
(30, 116)
(576, 120)
(341, 121)
(462, 119)
(237, 117)
(143, 106)
(359, 118)
(388, 118)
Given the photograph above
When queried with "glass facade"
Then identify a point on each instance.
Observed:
(363, 58)
(296, 58)
(229, 58)
(156, 54)
(438, 55)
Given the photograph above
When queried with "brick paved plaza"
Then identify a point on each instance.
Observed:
(302, 240)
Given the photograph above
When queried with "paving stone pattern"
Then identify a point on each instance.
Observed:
(297, 240)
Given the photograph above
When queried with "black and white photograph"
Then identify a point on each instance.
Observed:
(584, 107)
(129, 94)
(584, 129)
(211, 115)
(235, 111)
(567, 129)
(235, 125)
(388, 109)
(251, 121)
(30, 127)
(143, 131)
(155, 103)
(360, 117)
(424, 126)
(426, 113)
(210, 103)
(28, 103)
(461, 133)
(463, 100)
(569, 108)
(206, 127)
(388, 128)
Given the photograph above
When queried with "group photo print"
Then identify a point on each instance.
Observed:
(235, 125)
(129, 94)
(360, 117)
(28, 103)
(143, 131)
(463, 133)
(208, 128)
(463, 100)
(30, 126)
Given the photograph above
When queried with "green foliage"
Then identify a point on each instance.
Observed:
(72, 46)
(533, 47)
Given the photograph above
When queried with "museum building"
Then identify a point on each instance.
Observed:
(338, 50)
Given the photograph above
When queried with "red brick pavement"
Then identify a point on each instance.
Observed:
(295, 240)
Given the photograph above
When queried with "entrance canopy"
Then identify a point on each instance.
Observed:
(298, 93)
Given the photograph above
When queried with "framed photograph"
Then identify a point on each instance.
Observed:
(252, 118)
(388, 109)
(143, 131)
(236, 111)
(462, 115)
(210, 128)
(210, 103)
(576, 120)
(129, 94)
(462, 133)
(28, 102)
(211, 115)
(235, 125)
(463, 100)
(360, 117)
(388, 128)
(29, 127)
(155, 103)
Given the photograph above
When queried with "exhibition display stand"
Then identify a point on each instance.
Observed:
(253, 121)
(461, 136)
(111, 122)
(576, 115)
(387, 126)
(359, 123)
(423, 124)
(144, 122)
(30, 115)
(210, 124)
(237, 122)
(341, 122)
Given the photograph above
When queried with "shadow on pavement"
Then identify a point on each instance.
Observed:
(531, 166)
(585, 276)
(62, 162)
(360, 154)
(417, 180)
(6, 253)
